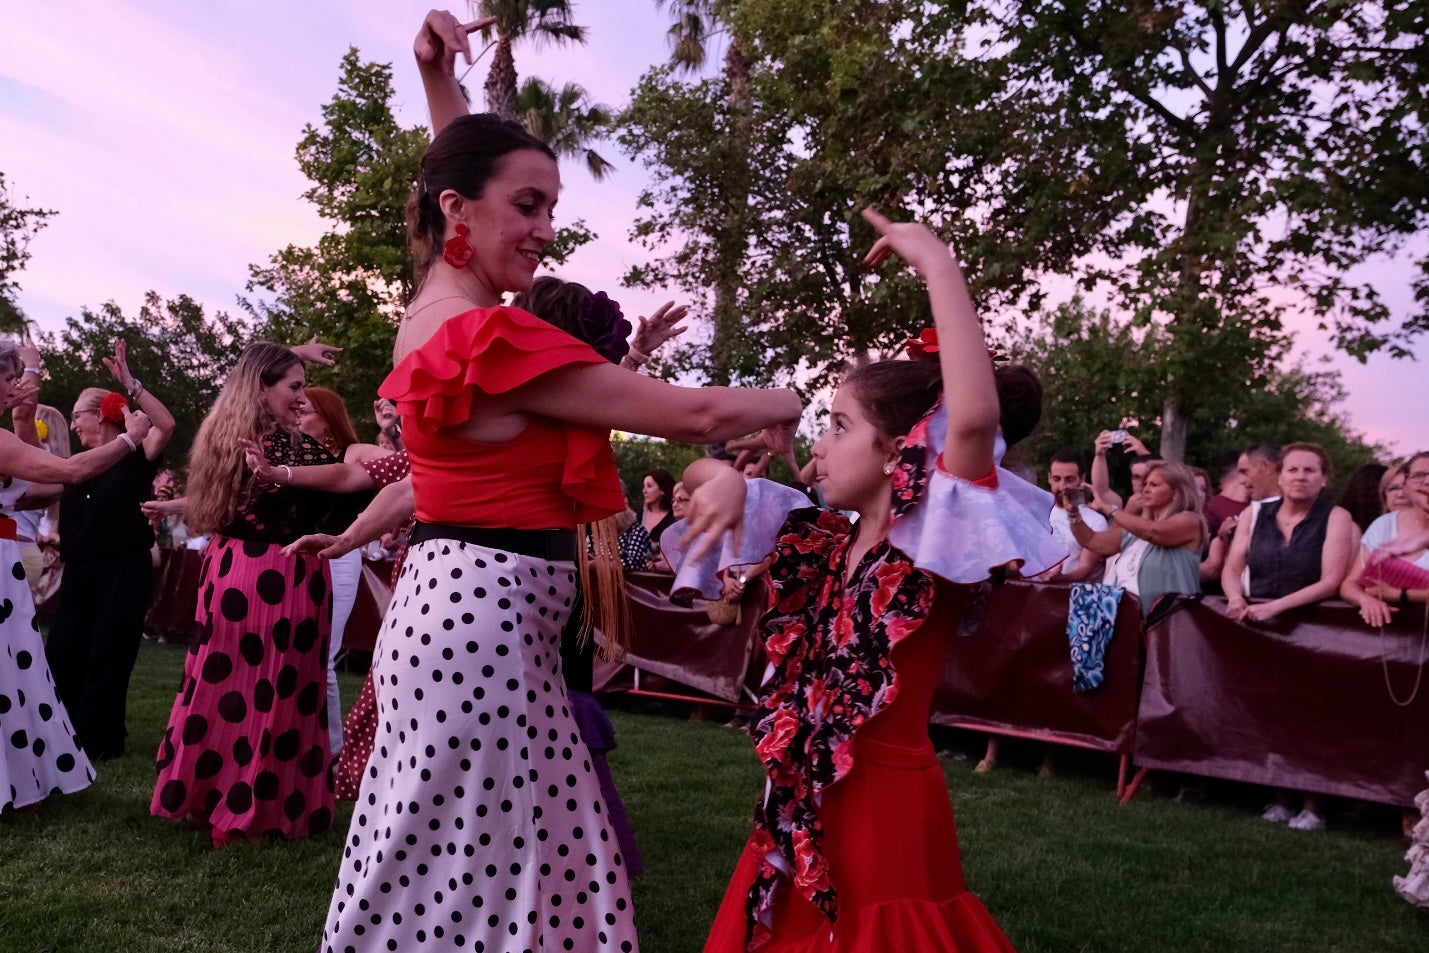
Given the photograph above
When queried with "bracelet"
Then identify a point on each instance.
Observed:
(135, 388)
(130, 441)
(637, 355)
(287, 470)
(37, 371)
(1404, 598)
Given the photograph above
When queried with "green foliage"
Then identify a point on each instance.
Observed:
(17, 226)
(566, 120)
(349, 288)
(181, 355)
(1100, 374)
(1216, 168)
(635, 456)
(541, 21)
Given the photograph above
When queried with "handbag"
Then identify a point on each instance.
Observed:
(1394, 572)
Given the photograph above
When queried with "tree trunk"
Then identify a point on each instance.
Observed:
(501, 81)
(1174, 428)
(733, 240)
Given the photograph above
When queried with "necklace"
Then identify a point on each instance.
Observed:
(400, 346)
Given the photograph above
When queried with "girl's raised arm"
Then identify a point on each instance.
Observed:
(438, 42)
(968, 386)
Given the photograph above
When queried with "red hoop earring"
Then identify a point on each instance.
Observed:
(458, 251)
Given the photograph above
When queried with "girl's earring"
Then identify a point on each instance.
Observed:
(888, 469)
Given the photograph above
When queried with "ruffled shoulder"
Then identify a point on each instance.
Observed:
(961, 530)
(771, 511)
(491, 350)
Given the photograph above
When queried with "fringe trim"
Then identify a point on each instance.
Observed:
(603, 581)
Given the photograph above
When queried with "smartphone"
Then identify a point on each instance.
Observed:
(1078, 495)
(1118, 436)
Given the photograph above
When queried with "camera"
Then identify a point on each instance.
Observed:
(1117, 436)
(1078, 495)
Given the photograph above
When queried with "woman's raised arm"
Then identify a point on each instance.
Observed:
(438, 42)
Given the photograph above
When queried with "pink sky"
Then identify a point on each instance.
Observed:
(163, 134)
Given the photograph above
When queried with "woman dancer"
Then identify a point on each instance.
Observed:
(246, 749)
(40, 754)
(105, 542)
(481, 825)
(854, 846)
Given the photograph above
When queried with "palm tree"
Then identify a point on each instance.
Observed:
(542, 21)
(566, 120)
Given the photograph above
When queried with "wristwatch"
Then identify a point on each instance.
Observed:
(1404, 598)
(135, 388)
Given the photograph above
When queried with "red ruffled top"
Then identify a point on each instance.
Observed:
(553, 475)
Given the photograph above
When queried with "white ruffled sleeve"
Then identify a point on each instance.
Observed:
(960, 530)
(767, 506)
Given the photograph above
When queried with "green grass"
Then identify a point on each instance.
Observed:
(1061, 866)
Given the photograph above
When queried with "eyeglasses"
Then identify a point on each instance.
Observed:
(1417, 478)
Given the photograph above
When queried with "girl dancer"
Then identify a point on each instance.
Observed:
(854, 846)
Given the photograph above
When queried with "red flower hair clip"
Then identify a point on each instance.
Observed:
(924, 345)
(112, 408)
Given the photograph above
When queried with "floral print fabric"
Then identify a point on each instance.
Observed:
(829, 646)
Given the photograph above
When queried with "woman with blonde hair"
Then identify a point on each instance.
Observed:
(246, 751)
(1156, 540)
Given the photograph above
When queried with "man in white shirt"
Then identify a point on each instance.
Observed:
(1082, 565)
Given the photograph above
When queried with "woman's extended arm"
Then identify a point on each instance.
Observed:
(163, 421)
(1106, 542)
(387, 511)
(1179, 529)
(1236, 556)
(1335, 558)
(331, 477)
(970, 392)
(38, 466)
(438, 42)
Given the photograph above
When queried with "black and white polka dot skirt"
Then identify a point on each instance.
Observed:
(479, 825)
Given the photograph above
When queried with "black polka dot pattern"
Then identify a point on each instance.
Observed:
(39, 754)
(247, 747)
(479, 824)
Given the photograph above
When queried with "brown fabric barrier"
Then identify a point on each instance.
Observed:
(173, 598)
(1302, 705)
(682, 644)
(1013, 675)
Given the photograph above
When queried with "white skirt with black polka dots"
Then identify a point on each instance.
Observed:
(39, 754)
(480, 824)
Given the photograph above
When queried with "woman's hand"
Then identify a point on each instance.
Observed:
(1237, 609)
(913, 241)
(257, 461)
(316, 352)
(716, 505)
(385, 413)
(1134, 445)
(1381, 590)
(1263, 611)
(653, 332)
(118, 365)
(1103, 443)
(1375, 611)
(1404, 545)
(24, 391)
(136, 425)
(29, 355)
(158, 509)
(322, 545)
(443, 36)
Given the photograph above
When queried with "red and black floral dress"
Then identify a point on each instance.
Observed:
(854, 846)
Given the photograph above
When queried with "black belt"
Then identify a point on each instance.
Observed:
(553, 544)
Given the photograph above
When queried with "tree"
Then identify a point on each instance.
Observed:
(1247, 156)
(182, 355)
(1100, 373)
(566, 120)
(350, 287)
(18, 225)
(542, 21)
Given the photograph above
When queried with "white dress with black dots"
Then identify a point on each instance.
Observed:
(39, 754)
(480, 824)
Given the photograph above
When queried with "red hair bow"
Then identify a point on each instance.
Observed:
(924, 345)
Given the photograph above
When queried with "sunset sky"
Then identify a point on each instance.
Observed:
(163, 134)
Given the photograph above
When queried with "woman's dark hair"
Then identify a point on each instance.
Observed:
(666, 483)
(463, 157)
(1361, 496)
(896, 395)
